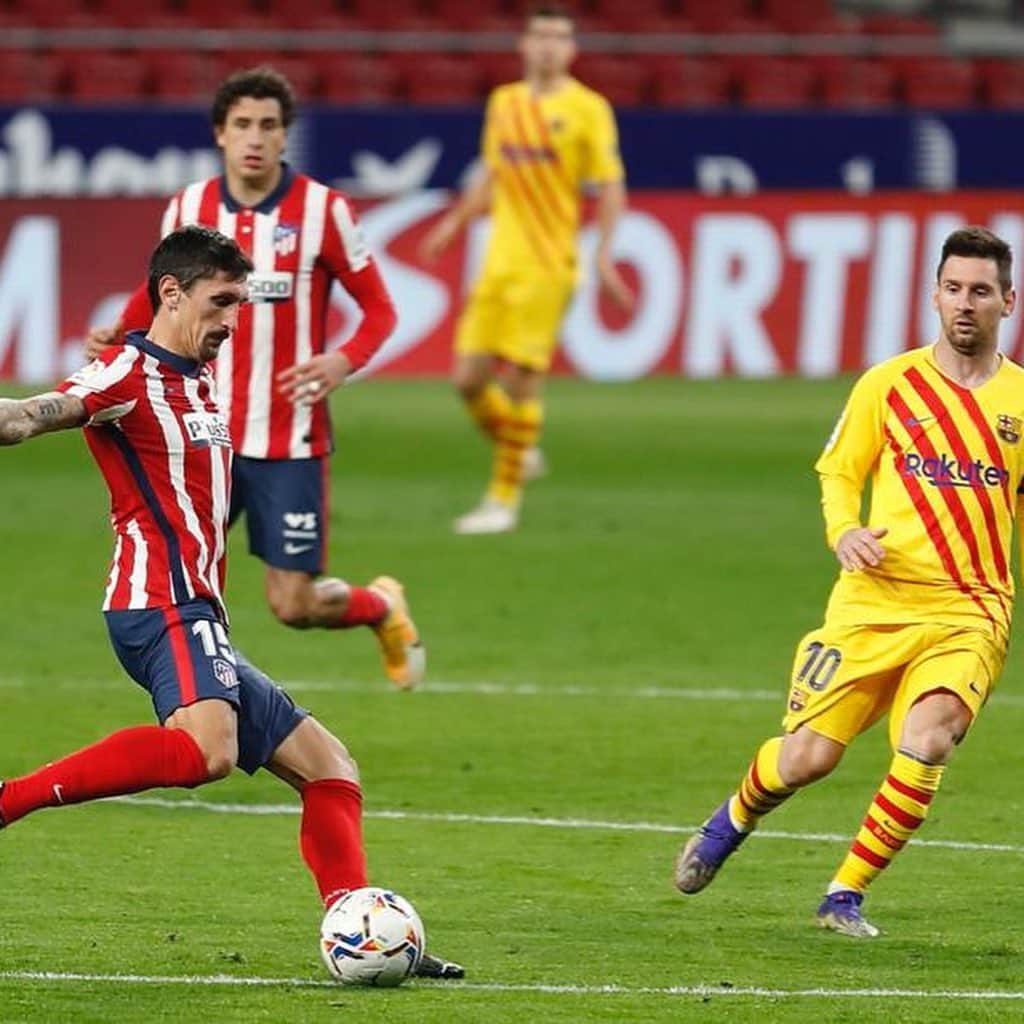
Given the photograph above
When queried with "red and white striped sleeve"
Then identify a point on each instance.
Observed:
(107, 386)
(345, 253)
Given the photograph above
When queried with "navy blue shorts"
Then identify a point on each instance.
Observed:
(182, 655)
(285, 506)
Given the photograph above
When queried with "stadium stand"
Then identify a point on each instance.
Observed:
(686, 53)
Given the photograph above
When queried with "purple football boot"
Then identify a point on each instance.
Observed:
(699, 860)
(840, 912)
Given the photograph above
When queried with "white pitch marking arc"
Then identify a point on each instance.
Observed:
(535, 822)
(731, 992)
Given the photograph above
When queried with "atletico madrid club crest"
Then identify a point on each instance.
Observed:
(1008, 428)
(286, 239)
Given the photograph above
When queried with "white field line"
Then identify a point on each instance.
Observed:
(484, 688)
(738, 991)
(563, 823)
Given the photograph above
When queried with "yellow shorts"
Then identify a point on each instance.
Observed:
(846, 677)
(515, 317)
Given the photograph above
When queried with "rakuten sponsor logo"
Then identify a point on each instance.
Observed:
(946, 471)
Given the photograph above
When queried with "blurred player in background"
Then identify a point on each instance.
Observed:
(919, 619)
(162, 443)
(274, 374)
(544, 139)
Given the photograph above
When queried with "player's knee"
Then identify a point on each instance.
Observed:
(806, 758)
(468, 388)
(934, 745)
(934, 727)
(337, 762)
(219, 764)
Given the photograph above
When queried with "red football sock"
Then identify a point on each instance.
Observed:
(125, 762)
(365, 608)
(331, 837)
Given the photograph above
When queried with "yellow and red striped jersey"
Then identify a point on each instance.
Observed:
(945, 464)
(542, 150)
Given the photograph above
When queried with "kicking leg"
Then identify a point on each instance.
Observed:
(781, 765)
(316, 763)
(197, 744)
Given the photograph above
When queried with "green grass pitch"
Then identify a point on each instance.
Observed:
(676, 547)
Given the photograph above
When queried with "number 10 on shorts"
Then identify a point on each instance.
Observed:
(820, 666)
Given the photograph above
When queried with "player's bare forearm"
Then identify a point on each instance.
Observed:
(21, 419)
(611, 201)
(476, 200)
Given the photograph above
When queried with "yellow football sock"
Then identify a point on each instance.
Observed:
(899, 807)
(489, 408)
(762, 788)
(518, 430)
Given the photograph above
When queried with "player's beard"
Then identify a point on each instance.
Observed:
(968, 343)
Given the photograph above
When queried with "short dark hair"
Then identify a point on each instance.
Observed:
(191, 254)
(262, 83)
(982, 244)
(550, 11)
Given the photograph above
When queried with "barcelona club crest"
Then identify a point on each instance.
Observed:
(1008, 428)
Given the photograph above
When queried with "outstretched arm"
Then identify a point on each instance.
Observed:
(23, 418)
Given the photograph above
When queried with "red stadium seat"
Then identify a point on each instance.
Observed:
(300, 70)
(719, 15)
(623, 81)
(499, 68)
(847, 82)
(443, 78)
(131, 13)
(106, 76)
(898, 25)
(183, 76)
(29, 77)
(1002, 83)
(483, 15)
(358, 78)
(54, 13)
(690, 82)
(237, 15)
(776, 82)
(940, 83)
(393, 15)
(809, 17)
(642, 16)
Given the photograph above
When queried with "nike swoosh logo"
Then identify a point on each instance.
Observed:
(297, 549)
(916, 421)
(58, 793)
(974, 687)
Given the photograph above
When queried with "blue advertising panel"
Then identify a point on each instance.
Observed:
(382, 151)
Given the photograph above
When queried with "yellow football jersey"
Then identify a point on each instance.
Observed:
(542, 151)
(945, 464)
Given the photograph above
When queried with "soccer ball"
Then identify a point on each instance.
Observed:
(371, 936)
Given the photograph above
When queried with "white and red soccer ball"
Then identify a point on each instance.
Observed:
(371, 936)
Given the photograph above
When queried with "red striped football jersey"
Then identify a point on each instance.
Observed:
(163, 446)
(946, 466)
(301, 238)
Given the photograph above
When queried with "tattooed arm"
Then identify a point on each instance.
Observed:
(21, 419)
